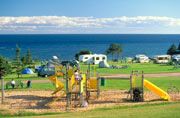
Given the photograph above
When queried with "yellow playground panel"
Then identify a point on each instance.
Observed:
(73, 82)
(92, 83)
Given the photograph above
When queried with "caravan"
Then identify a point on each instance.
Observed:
(141, 58)
(162, 58)
(92, 58)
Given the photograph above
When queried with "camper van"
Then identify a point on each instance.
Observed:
(92, 58)
(141, 58)
(162, 58)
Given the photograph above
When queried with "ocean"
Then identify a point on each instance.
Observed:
(65, 46)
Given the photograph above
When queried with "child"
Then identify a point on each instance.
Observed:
(28, 83)
(13, 83)
(77, 75)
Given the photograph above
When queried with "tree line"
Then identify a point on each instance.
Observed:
(173, 49)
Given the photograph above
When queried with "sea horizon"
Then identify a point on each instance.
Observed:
(65, 46)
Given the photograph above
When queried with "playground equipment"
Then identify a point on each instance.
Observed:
(137, 90)
(136, 86)
(92, 82)
(75, 90)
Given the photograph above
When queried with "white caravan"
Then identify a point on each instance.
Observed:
(162, 58)
(92, 58)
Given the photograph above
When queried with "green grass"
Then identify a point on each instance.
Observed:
(158, 110)
(22, 77)
(140, 111)
(146, 67)
(115, 84)
(162, 82)
(112, 84)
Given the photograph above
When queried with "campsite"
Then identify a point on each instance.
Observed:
(113, 86)
(89, 59)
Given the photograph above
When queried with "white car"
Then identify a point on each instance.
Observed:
(176, 58)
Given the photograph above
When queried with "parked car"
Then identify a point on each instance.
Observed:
(176, 58)
(46, 71)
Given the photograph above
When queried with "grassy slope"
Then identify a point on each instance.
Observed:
(162, 110)
(147, 68)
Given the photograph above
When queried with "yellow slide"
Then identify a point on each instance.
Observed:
(164, 95)
(59, 85)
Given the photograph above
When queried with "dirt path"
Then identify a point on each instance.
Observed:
(145, 75)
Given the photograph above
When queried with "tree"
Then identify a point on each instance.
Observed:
(23, 60)
(172, 50)
(18, 50)
(82, 52)
(28, 57)
(113, 49)
(17, 62)
(5, 68)
(178, 47)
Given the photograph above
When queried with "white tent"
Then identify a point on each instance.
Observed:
(103, 64)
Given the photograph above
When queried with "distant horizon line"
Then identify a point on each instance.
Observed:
(93, 34)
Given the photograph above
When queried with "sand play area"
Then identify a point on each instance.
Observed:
(43, 101)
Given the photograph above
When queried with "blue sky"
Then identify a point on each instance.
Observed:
(89, 16)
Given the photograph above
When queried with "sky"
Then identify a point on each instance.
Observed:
(89, 16)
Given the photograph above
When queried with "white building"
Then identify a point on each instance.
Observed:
(141, 58)
(92, 58)
(162, 58)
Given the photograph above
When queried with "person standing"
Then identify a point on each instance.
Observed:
(13, 83)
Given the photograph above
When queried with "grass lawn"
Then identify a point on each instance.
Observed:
(146, 67)
(159, 110)
(22, 77)
(115, 84)
(162, 82)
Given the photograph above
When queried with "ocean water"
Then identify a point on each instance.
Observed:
(66, 45)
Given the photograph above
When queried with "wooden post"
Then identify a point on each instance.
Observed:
(142, 85)
(67, 88)
(80, 92)
(98, 88)
(89, 71)
(131, 91)
(2, 89)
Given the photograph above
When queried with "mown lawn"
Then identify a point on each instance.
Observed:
(22, 77)
(159, 110)
(146, 67)
(114, 84)
(162, 82)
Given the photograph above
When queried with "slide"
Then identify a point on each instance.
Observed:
(164, 95)
(59, 85)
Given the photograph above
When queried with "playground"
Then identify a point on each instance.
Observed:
(63, 92)
(113, 94)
